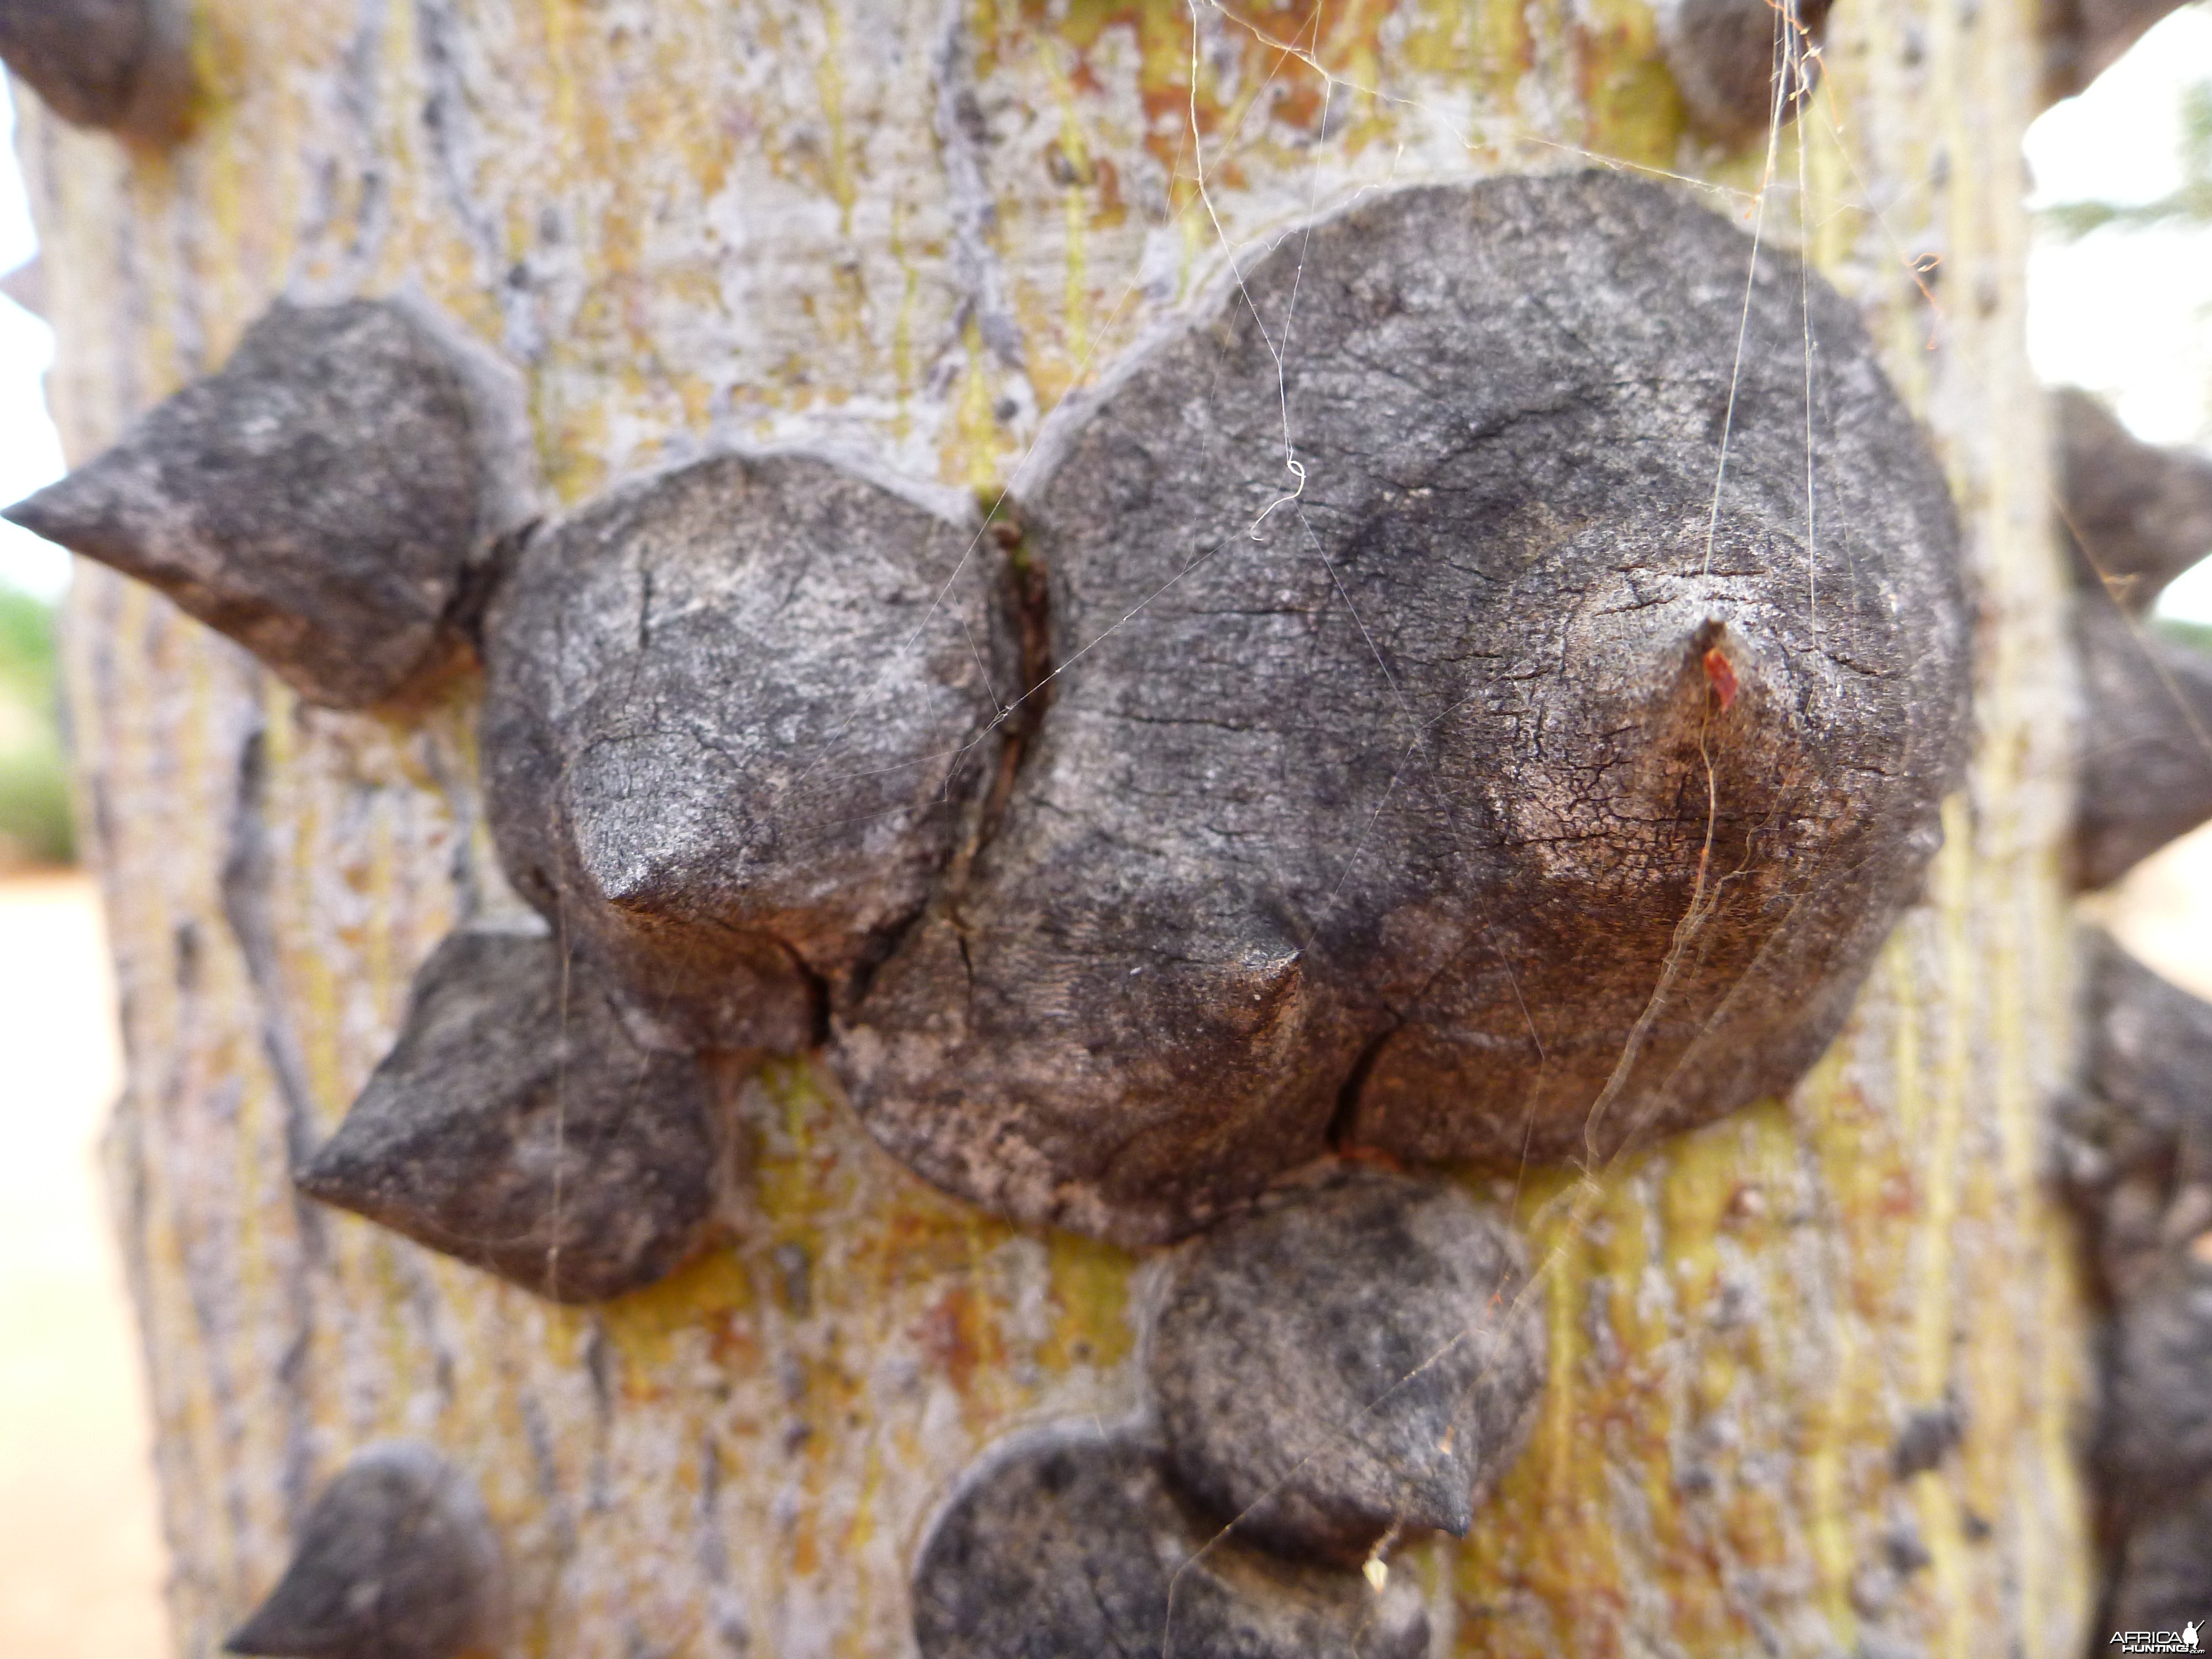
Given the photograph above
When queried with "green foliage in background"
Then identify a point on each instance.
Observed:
(2194, 634)
(2191, 204)
(35, 801)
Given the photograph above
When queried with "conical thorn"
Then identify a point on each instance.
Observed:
(397, 1559)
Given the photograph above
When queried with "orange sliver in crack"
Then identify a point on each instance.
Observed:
(1722, 672)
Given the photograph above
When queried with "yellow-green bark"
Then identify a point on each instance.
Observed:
(695, 218)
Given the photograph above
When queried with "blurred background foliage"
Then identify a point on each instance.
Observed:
(35, 797)
(2195, 634)
(2188, 203)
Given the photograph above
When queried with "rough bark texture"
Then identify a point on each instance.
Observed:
(907, 235)
(1477, 780)
(318, 499)
(519, 1124)
(1072, 1543)
(2158, 1418)
(736, 717)
(1358, 1357)
(1524, 696)
(2167, 1571)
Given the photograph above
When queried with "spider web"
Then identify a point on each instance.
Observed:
(1785, 176)
(1793, 50)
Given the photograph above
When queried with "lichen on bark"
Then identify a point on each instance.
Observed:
(714, 222)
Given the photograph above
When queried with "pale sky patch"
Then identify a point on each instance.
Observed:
(2128, 314)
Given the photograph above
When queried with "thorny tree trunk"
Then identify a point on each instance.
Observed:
(909, 231)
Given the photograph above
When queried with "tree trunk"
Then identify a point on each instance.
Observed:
(909, 232)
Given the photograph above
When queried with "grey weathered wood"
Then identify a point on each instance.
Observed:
(1463, 795)
(1358, 1358)
(319, 499)
(737, 718)
(1070, 1541)
(2133, 516)
(2150, 1061)
(518, 1125)
(2157, 1440)
(396, 1560)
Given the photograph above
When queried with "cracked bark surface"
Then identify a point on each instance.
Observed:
(694, 224)
(735, 720)
(1476, 781)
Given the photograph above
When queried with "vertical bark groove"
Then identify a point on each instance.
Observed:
(706, 220)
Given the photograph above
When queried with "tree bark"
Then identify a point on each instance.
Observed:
(908, 232)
